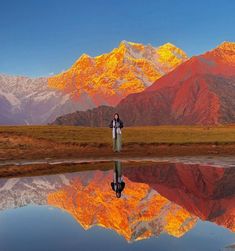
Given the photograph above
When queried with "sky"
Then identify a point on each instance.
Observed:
(45, 37)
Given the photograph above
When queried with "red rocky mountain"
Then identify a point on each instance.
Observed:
(199, 91)
(203, 190)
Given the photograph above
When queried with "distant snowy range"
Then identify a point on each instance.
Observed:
(26, 100)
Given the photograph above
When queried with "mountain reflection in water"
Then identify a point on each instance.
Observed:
(156, 198)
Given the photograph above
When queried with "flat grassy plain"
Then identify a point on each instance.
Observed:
(23, 142)
(148, 134)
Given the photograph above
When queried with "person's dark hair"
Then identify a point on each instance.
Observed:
(115, 115)
(118, 194)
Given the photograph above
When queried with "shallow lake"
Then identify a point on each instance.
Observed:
(122, 205)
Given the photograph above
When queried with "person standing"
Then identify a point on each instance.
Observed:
(116, 124)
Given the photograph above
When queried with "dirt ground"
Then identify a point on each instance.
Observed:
(13, 146)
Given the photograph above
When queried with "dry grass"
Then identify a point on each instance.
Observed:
(154, 134)
(35, 142)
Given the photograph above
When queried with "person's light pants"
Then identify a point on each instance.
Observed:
(117, 143)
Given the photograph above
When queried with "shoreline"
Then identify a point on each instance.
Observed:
(26, 168)
(200, 159)
(61, 150)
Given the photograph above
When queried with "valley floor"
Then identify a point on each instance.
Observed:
(38, 142)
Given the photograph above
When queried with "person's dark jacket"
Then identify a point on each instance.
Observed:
(120, 123)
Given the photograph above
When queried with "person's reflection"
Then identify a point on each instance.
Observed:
(118, 184)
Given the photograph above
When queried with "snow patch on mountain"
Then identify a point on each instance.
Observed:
(26, 100)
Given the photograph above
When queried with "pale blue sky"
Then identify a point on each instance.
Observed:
(42, 37)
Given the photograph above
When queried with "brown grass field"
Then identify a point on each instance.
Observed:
(35, 142)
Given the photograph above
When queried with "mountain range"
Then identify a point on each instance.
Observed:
(158, 198)
(26, 100)
(141, 213)
(90, 82)
(201, 90)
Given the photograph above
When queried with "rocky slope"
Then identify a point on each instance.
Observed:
(199, 91)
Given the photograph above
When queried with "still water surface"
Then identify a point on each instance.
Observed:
(121, 206)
